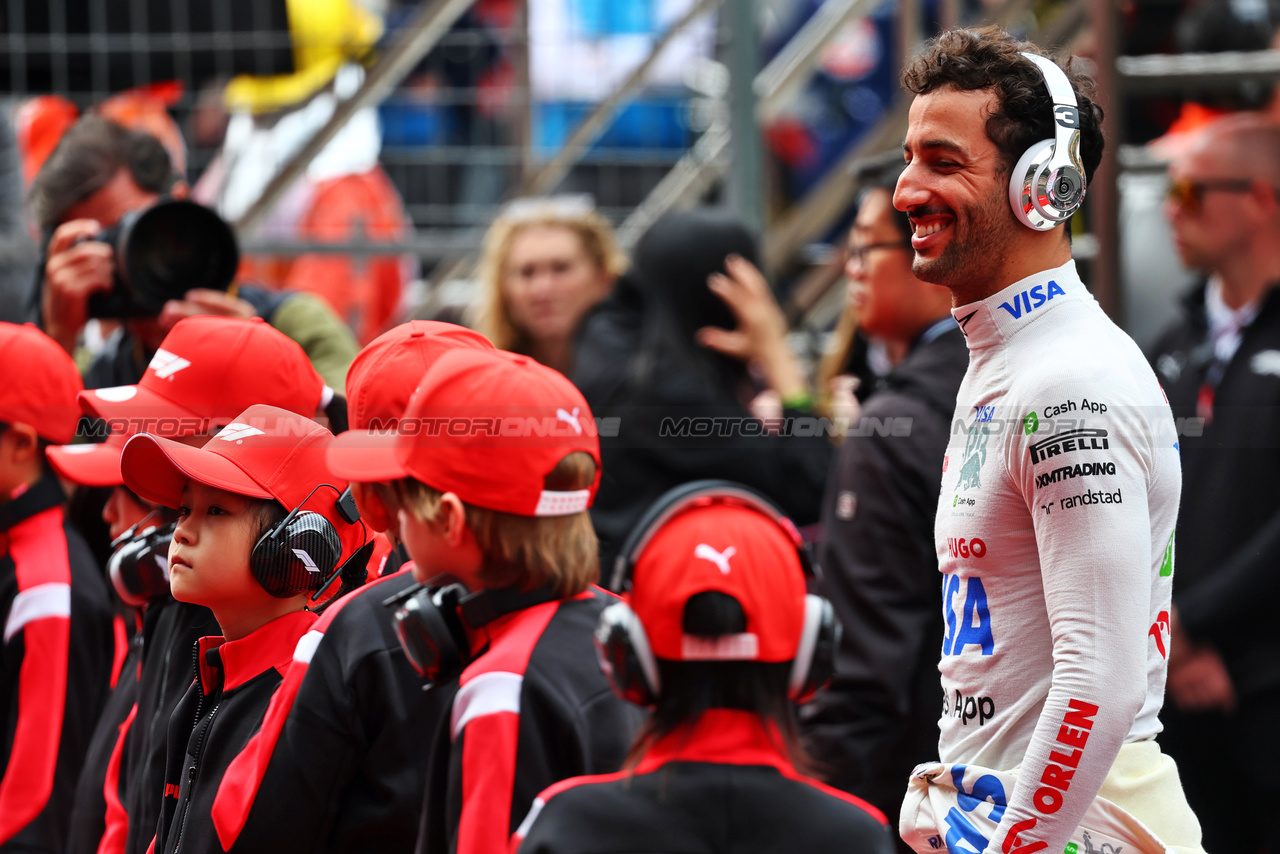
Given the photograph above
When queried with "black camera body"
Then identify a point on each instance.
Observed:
(163, 251)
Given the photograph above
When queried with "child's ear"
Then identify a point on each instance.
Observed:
(452, 519)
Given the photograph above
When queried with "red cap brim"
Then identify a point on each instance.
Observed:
(156, 469)
(365, 457)
(88, 465)
(140, 407)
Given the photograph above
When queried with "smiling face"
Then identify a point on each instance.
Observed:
(955, 190)
(209, 555)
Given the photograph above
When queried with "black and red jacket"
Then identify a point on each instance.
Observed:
(217, 716)
(170, 629)
(55, 664)
(722, 784)
(534, 708)
(101, 783)
(341, 760)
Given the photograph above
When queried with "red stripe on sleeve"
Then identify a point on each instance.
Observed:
(488, 778)
(38, 547)
(117, 832)
(121, 650)
(243, 777)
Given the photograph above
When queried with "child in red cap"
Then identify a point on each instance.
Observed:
(719, 639)
(208, 369)
(340, 762)
(261, 530)
(494, 465)
(55, 660)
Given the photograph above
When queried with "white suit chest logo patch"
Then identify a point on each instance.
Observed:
(570, 418)
(237, 432)
(166, 364)
(720, 559)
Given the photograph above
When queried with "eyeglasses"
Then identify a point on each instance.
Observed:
(1189, 195)
(860, 252)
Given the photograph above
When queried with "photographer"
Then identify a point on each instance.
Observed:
(99, 173)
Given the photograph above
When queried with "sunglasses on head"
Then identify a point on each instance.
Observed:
(1189, 195)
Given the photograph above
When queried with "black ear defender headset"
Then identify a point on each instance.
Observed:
(139, 562)
(301, 554)
(1047, 186)
(621, 643)
(431, 622)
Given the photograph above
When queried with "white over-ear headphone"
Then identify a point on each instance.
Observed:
(1047, 186)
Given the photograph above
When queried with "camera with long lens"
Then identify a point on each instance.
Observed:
(139, 563)
(163, 251)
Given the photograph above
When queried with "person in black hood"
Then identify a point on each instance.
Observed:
(664, 364)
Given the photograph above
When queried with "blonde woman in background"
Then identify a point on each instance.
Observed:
(545, 263)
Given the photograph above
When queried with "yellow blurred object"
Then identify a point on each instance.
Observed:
(326, 34)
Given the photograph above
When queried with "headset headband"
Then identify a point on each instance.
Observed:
(679, 499)
(1064, 188)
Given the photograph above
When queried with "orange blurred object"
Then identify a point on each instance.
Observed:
(39, 123)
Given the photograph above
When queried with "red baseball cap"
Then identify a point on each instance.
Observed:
(42, 382)
(206, 371)
(384, 375)
(266, 452)
(486, 425)
(732, 549)
(89, 463)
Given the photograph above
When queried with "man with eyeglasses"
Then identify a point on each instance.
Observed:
(879, 718)
(1220, 368)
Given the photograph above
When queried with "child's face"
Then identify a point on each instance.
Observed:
(123, 510)
(209, 555)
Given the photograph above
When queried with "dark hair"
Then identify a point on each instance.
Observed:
(87, 157)
(269, 514)
(672, 262)
(690, 688)
(989, 58)
(884, 176)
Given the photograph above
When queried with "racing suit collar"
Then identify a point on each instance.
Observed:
(1002, 315)
(725, 736)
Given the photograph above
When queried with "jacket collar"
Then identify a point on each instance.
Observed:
(724, 736)
(40, 496)
(226, 665)
(996, 319)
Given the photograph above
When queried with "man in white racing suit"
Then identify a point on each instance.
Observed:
(1060, 486)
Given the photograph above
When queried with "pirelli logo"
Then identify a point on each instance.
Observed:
(1068, 441)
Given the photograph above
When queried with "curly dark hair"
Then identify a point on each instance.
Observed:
(988, 58)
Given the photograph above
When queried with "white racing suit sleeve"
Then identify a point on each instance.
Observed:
(1093, 537)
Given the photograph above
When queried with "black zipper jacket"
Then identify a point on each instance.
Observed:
(221, 710)
(1228, 535)
(532, 709)
(170, 629)
(101, 772)
(55, 663)
(341, 760)
(722, 784)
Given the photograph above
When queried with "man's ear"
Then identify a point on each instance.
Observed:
(180, 189)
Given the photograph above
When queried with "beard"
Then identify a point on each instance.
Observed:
(981, 234)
